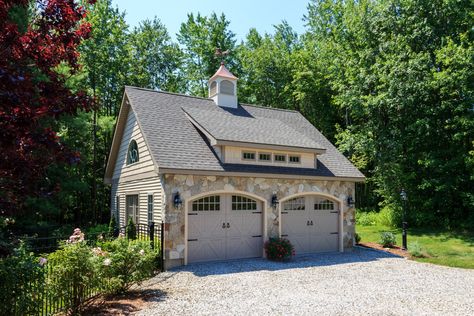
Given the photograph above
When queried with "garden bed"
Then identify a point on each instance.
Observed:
(394, 250)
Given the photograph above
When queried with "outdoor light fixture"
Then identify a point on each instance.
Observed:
(177, 201)
(275, 200)
(404, 198)
(350, 201)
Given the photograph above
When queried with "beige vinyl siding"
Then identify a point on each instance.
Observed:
(234, 155)
(145, 162)
(142, 188)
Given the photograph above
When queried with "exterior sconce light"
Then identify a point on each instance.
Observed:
(275, 200)
(350, 201)
(177, 202)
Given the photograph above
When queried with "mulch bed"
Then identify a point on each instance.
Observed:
(124, 304)
(395, 250)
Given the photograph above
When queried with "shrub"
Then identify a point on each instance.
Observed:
(74, 271)
(279, 249)
(366, 218)
(357, 238)
(416, 250)
(97, 232)
(131, 229)
(113, 228)
(21, 277)
(388, 216)
(125, 262)
(388, 239)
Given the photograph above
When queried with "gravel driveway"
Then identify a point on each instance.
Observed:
(355, 283)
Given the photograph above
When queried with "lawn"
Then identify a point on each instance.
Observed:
(453, 249)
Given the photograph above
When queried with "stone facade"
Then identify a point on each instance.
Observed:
(190, 186)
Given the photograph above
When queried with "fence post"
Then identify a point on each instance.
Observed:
(151, 234)
(162, 246)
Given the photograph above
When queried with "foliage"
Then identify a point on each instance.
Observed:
(388, 239)
(388, 216)
(358, 238)
(200, 36)
(402, 72)
(126, 262)
(17, 273)
(34, 43)
(131, 229)
(279, 249)
(416, 250)
(113, 228)
(366, 218)
(75, 269)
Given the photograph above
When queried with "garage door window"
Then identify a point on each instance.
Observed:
(208, 203)
(324, 205)
(243, 203)
(296, 204)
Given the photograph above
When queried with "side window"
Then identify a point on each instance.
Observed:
(132, 153)
(132, 208)
(227, 87)
(150, 208)
(213, 89)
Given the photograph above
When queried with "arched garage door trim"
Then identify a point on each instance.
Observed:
(188, 207)
(320, 194)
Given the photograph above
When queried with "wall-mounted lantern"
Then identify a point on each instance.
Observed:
(275, 200)
(177, 202)
(350, 201)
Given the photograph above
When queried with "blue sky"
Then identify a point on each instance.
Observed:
(243, 14)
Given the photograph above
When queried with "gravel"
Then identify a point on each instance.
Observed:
(354, 283)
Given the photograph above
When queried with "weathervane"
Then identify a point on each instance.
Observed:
(221, 54)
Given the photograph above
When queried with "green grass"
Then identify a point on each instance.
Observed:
(453, 249)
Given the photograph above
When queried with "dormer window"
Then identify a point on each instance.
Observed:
(280, 158)
(265, 157)
(248, 155)
(294, 159)
(132, 154)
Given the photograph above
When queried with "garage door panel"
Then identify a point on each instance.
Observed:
(229, 229)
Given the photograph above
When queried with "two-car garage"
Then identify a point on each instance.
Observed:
(230, 226)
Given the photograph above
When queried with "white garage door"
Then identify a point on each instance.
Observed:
(311, 224)
(224, 227)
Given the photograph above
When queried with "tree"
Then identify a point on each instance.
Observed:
(156, 59)
(403, 73)
(35, 39)
(199, 37)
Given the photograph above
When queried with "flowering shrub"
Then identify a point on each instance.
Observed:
(125, 262)
(279, 249)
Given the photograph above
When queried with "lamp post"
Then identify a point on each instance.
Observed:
(403, 196)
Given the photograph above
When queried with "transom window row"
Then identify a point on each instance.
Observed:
(241, 203)
(299, 204)
(249, 155)
(208, 203)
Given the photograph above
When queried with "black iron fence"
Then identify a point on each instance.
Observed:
(33, 287)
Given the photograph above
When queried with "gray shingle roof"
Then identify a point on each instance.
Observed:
(176, 143)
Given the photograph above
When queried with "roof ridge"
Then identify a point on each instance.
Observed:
(269, 108)
(167, 92)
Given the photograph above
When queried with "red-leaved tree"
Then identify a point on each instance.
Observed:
(36, 36)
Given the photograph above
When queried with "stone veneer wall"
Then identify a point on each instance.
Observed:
(192, 185)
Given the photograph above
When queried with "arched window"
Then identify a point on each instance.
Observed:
(213, 89)
(132, 154)
(227, 87)
(323, 205)
(208, 203)
(295, 204)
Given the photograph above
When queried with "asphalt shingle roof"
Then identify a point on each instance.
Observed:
(176, 143)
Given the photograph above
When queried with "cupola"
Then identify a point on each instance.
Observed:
(223, 88)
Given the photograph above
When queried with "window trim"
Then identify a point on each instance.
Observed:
(294, 156)
(117, 209)
(280, 161)
(249, 152)
(128, 161)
